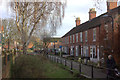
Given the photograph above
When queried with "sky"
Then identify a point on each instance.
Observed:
(74, 8)
(78, 8)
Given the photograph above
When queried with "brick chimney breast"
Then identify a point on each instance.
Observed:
(77, 21)
(92, 13)
(111, 4)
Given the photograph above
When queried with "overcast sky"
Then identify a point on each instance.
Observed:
(74, 8)
(78, 8)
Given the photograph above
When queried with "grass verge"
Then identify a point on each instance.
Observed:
(34, 66)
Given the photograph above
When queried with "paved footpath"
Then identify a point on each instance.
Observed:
(85, 69)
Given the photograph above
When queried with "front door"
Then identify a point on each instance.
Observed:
(93, 52)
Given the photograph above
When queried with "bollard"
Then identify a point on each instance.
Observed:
(57, 60)
(61, 61)
(80, 68)
(92, 71)
(54, 59)
(71, 65)
(65, 62)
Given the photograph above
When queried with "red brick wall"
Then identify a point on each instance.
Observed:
(100, 38)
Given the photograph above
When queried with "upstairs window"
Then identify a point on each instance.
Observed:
(73, 38)
(94, 34)
(80, 36)
(106, 31)
(86, 36)
(67, 40)
(76, 37)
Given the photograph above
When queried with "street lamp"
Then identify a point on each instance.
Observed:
(112, 26)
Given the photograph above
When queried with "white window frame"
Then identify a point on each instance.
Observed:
(77, 50)
(86, 32)
(80, 36)
(68, 40)
(94, 34)
(106, 29)
(95, 52)
(91, 52)
(73, 38)
(71, 50)
(65, 40)
(85, 51)
(98, 53)
(76, 37)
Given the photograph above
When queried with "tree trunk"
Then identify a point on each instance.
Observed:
(8, 44)
(24, 49)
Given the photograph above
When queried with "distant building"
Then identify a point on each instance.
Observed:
(30, 45)
(54, 43)
(95, 38)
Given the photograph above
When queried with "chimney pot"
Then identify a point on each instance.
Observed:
(92, 13)
(77, 21)
(111, 4)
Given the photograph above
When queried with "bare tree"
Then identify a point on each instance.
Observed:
(31, 15)
(10, 31)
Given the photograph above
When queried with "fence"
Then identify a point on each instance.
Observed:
(88, 71)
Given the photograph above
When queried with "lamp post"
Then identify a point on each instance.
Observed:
(112, 27)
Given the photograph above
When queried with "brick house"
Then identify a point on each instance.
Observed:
(95, 38)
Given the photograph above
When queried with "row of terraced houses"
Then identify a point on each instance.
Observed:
(96, 38)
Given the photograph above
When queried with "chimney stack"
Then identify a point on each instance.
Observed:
(111, 4)
(92, 13)
(77, 21)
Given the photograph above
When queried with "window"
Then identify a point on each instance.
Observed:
(73, 38)
(80, 36)
(86, 36)
(72, 50)
(67, 40)
(106, 30)
(81, 51)
(77, 50)
(91, 52)
(86, 51)
(76, 37)
(70, 39)
(94, 34)
(94, 52)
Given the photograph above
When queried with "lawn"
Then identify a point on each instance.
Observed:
(34, 66)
